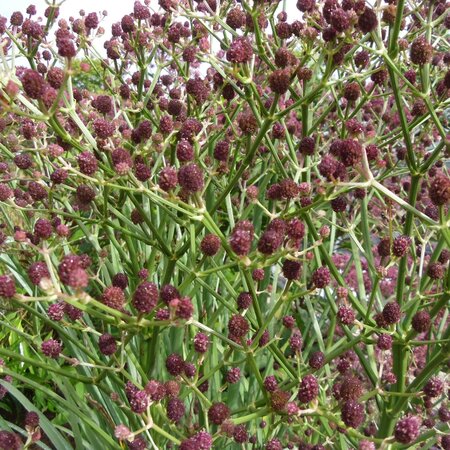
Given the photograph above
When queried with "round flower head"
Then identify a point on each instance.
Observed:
(7, 286)
(421, 321)
(175, 409)
(321, 277)
(210, 245)
(352, 413)
(240, 50)
(367, 21)
(107, 344)
(238, 326)
(51, 348)
(309, 389)
(407, 429)
(190, 178)
(145, 297)
(218, 413)
(421, 51)
(175, 364)
(439, 190)
(279, 81)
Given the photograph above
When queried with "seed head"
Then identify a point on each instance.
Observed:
(218, 413)
(407, 429)
(309, 389)
(352, 413)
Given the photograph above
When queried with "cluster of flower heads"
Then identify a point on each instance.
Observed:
(215, 202)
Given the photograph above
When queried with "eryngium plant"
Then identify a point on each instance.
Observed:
(237, 238)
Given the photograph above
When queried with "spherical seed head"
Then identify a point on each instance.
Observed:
(346, 315)
(421, 52)
(51, 348)
(138, 444)
(168, 293)
(340, 19)
(444, 414)
(103, 128)
(289, 322)
(379, 77)
(258, 274)
(352, 91)
(339, 204)
(37, 191)
(56, 311)
(241, 241)
(434, 387)
(270, 241)
(43, 228)
(421, 321)
(7, 286)
(270, 383)
(321, 277)
(233, 375)
(31, 419)
(367, 21)
(316, 360)
(240, 51)
(296, 341)
(352, 413)
(33, 84)
(244, 300)
(407, 429)
(350, 152)
(66, 48)
(175, 364)
(444, 257)
(175, 409)
(279, 81)
(309, 389)
(279, 400)
(168, 178)
(172, 388)
(210, 245)
(37, 271)
(201, 343)
(351, 388)
(190, 178)
(120, 280)
(139, 402)
(274, 444)
(9, 441)
(222, 150)
(384, 342)
(289, 189)
(240, 434)
(439, 190)
(307, 145)
(218, 413)
(113, 297)
(291, 269)
(185, 151)
(401, 245)
(238, 326)
(145, 297)
(436, 271)
(235, 18)
(384, 247)
(107, 344)
(85, 194)
(392, 313)
(247, 123)
(203, 440)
